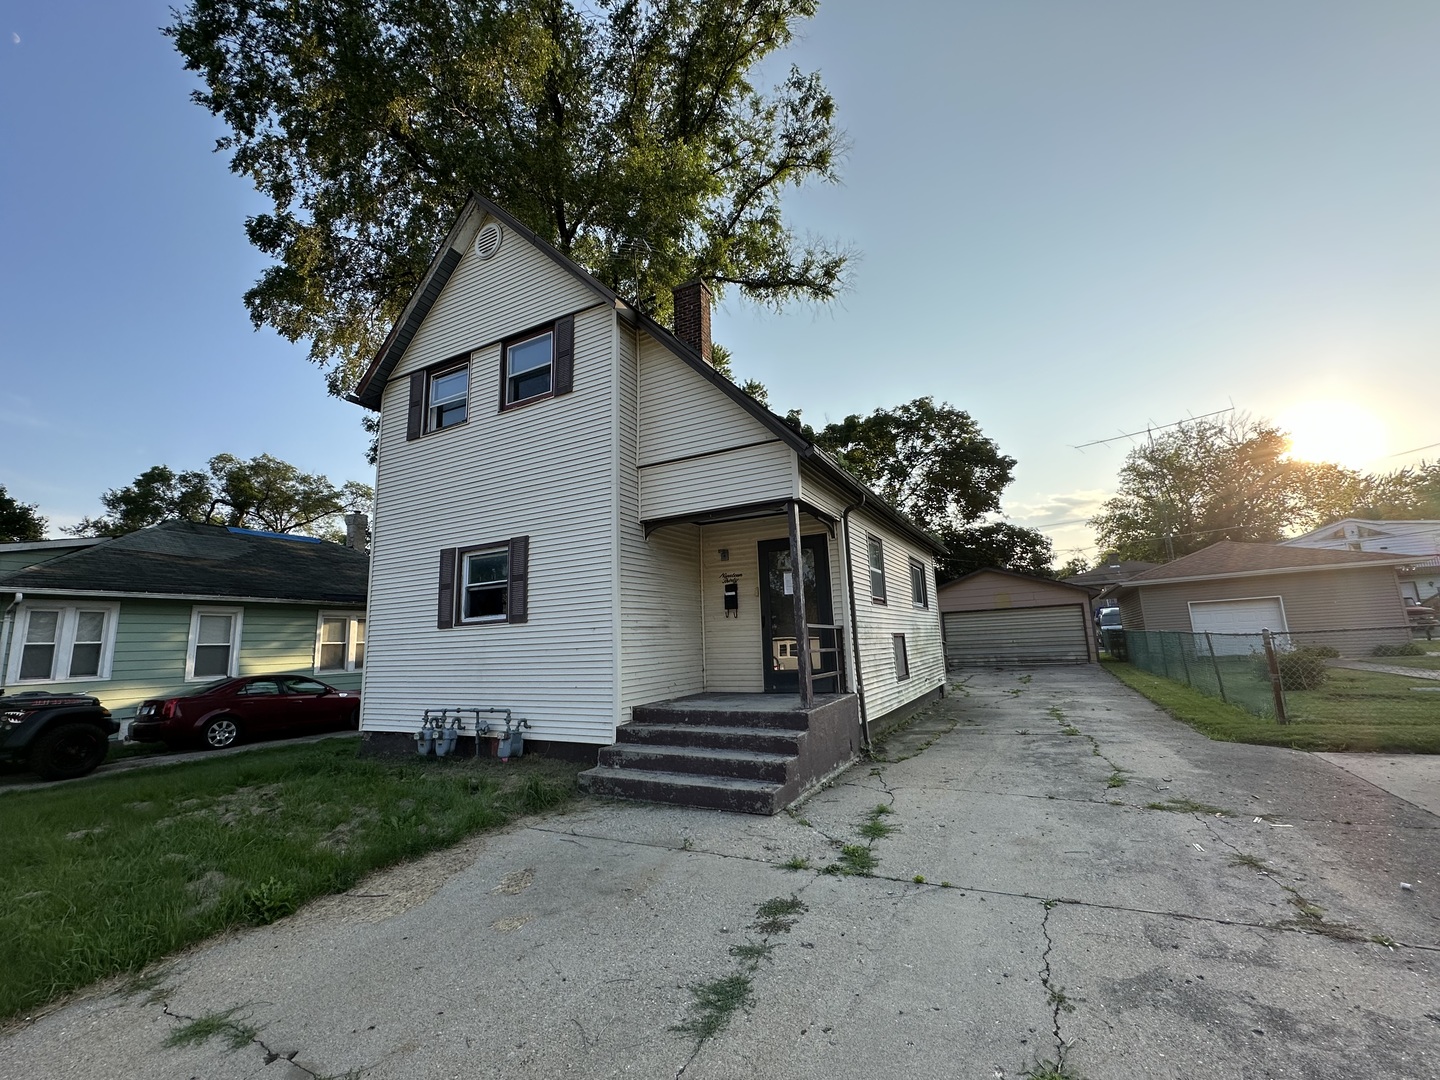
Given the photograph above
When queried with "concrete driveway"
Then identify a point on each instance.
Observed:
(1071, 877)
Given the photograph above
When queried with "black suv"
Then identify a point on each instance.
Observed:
(59, 736)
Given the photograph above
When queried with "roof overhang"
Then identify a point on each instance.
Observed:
(1375, 564)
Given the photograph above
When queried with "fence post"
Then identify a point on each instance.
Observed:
(1210, 644)
(1277, 685)
(1184, 663)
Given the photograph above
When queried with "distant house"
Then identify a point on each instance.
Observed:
(165, 609)
(580, 520)
(1001, 617)
(1419, 580)
(1111, 571)
(1234, 588)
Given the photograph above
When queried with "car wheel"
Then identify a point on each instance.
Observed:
(354, 722)
(68, 750)
(220, 733)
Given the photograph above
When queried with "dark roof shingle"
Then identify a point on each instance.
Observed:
(1232, 557)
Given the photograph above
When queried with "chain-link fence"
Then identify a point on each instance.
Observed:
(1246, 671)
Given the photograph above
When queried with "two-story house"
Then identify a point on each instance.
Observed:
(580, 520)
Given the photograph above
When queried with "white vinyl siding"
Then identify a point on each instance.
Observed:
(544, 471)
(698, 449)
(885, 690)
(661, 640)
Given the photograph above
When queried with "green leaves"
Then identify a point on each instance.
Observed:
(627, 134)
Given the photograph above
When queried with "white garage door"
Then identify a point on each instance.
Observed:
(1043, 635)
(1235, 625)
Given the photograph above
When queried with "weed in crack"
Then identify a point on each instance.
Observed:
(1050, 1070)
(1117, 779)
(857, 860)
(795, 862)
(1070, 729)
(1188, 806)
(751, 953)
(1311, 920)
(777, 916)
(713, 1004)
(151, 984)
(214, 1025)
(1254, 862)
(876, 830)
(1059, 1000)
(1024, 678)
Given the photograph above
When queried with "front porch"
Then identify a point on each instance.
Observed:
(746, 753)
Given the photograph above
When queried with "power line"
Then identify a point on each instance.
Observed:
(1153, 428)
(1417, 450)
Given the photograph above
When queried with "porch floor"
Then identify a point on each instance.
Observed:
(751, 703)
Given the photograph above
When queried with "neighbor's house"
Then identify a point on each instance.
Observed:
(995, 616)
(1419, 580)
(1233, 588)
(1112, 571)
(163, 610)
(577, 515)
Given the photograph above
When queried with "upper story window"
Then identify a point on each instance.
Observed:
(528, 365)
(877, 570)
(447, 399)
(919, 593)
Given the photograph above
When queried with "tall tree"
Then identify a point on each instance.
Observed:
(19, 522)
(627, 133)
(262, 493)
(934, 463)
(1204, 482)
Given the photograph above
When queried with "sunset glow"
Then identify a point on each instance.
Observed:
(1334, 431)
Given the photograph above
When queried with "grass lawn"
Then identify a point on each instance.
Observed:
(108, 875)
(1428, 662)
(1354, 710)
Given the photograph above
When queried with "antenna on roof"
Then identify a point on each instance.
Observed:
(1149, 431)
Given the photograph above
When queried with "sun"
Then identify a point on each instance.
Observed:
(1334, 431)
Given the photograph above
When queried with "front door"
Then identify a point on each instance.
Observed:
(780, 649)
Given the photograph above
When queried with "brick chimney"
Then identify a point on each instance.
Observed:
(357, 532)
(692, 316)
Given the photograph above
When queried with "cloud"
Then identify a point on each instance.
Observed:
(1047, 510)
(14, 38)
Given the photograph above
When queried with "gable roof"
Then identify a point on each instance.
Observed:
(1016, 574)
(183, 559)
(371, 387)
(1231, 558)
(1110, 573)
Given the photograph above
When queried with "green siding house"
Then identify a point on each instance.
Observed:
(167, 609)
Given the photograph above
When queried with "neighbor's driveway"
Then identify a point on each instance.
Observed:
(1074, 918)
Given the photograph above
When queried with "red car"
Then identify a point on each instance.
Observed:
(220, 714)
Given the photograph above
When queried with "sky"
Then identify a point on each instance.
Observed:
(1073, 220)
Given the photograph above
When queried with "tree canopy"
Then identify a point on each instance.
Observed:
(627, 133)
(19, 522)
(935, 464)
(262, 493)
(1203, 482)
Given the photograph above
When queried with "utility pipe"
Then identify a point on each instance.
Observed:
(855, 622)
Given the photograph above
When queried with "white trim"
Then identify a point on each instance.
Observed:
(236, 627)
(353, 620)
(64, 642)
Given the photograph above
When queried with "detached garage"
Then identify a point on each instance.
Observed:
(1001, 617)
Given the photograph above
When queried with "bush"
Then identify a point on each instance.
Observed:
(1302, 668)
(1407, 649)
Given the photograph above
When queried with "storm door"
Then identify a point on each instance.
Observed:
(780, 650)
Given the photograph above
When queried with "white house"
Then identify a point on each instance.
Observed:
(578, 519)
(1419, 581)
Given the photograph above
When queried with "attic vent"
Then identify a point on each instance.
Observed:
(487, 242)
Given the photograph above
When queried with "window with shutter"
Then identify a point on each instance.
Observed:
(538, 364)
(485, 583)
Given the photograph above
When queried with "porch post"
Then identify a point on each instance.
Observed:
(802, 628)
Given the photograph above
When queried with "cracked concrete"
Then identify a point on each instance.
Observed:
(1057, 918)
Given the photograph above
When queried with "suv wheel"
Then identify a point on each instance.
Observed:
(66, 751)
(220, 733)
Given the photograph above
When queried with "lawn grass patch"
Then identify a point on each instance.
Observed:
(1429, 662)
(1354, 710)
(108, 875)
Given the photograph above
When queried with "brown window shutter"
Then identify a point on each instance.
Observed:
(415, 419)
(564, 380)
(445, 606)
(519, 607)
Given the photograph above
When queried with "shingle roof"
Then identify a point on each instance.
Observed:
(182, 558)
(1232, 557)
(1110, 573)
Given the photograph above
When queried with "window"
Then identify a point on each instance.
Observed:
(484, 583)
(877, 570)
(439, 397)
(340, 644)
(902, 661)
(214, 644)
(527, 367)
(260, 688)
(539, 363)
(63, 642)
(308, 687)
(446, 399)
(919, 595)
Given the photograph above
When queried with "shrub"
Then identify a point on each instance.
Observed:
(1302, 668)
(1407, 649)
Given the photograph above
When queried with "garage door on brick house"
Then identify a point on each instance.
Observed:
(1001, 617)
